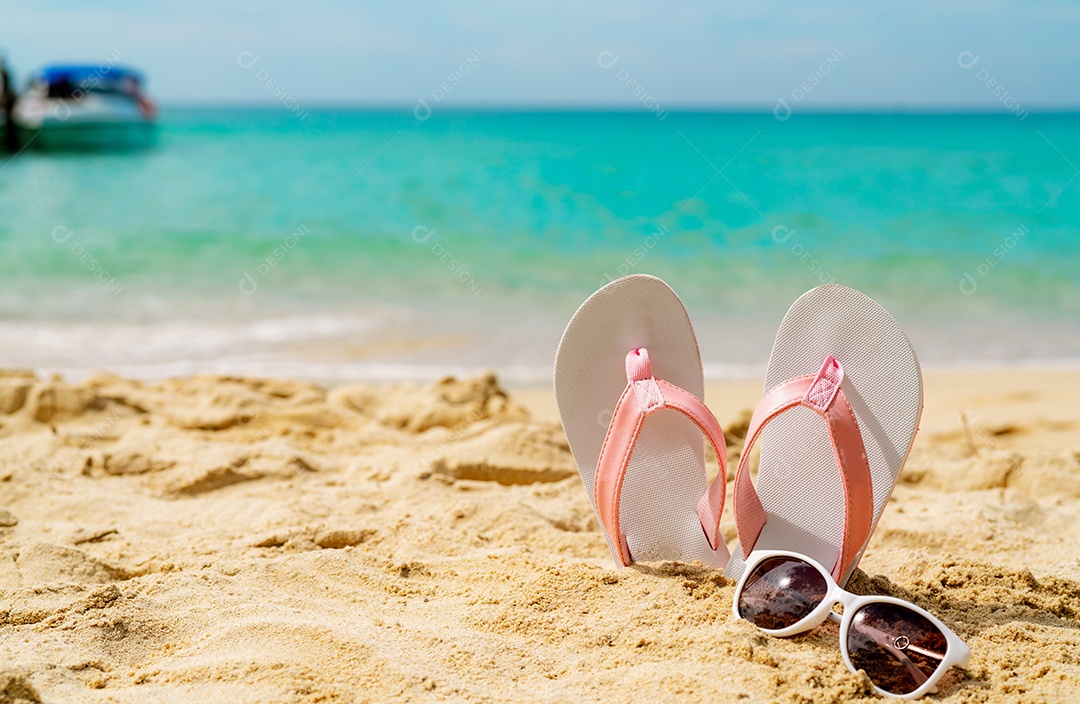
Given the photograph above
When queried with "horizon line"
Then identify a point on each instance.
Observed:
(750, 109)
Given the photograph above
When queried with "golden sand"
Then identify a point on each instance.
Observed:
(240, 540)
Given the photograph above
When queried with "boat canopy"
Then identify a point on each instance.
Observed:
(73, 81)
(78, 73)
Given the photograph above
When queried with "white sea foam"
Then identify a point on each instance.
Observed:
(407, 343)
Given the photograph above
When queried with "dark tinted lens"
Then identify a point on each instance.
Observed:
(780, 592)
(897, 648)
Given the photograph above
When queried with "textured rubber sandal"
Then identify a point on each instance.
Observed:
(835, 426)
(629, 388)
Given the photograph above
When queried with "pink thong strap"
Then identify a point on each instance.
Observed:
(643, 396)
(821, 393)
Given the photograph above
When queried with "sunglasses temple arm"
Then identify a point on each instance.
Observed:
(885, 641)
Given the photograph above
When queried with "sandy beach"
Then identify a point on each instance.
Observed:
(241, 540)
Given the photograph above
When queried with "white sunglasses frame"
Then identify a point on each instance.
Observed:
(957, 653)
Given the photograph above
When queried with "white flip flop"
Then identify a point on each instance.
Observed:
(842, 406)
(629, 388)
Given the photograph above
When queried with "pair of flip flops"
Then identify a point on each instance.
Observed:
(835, 425)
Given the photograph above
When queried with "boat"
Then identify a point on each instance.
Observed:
(85, 108)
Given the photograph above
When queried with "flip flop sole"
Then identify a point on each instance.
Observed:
(798, 481)
(666, 475)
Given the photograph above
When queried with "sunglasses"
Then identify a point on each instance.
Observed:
(902, 648)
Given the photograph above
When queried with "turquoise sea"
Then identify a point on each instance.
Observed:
(338, 244)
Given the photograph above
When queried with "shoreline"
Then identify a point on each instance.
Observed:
(330, 375)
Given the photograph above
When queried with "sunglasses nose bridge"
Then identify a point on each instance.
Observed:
(849, 600)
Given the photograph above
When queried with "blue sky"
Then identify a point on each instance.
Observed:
(904, 54)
